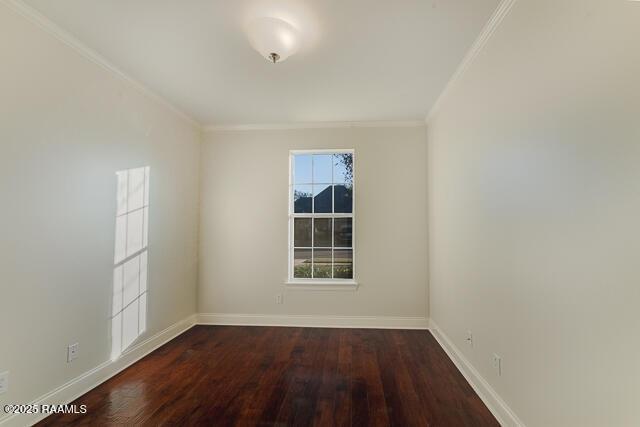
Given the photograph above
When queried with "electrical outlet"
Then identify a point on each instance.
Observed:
(72, 352)
(279, 299)
(4, 382)
(470, 338)
(497, 364)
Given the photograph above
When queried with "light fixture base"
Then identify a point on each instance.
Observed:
(273, 57)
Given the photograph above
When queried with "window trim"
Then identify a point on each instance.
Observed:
(320, 283)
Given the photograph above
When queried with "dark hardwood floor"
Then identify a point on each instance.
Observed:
(268, 376)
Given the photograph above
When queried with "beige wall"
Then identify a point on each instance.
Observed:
(66, 126)
(243, 247)
(534, 172)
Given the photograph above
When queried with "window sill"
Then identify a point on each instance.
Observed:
(320, 285)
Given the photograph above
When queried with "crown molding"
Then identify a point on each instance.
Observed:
(56, 31)
(489, 29)
(313, 125)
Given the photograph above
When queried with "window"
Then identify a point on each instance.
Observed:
(321, 222)
(129, 307)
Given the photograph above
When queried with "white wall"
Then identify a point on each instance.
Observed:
(534, 208)
(66, 126)
(243, 246)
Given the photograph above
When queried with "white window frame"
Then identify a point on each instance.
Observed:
(328, 283)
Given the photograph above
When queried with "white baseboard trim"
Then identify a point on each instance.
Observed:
(80, 385)
(376, 322)
(89, 380)
(497, 406)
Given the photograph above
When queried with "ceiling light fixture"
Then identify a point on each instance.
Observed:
(273, 38)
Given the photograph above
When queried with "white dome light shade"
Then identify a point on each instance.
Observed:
(275, 39)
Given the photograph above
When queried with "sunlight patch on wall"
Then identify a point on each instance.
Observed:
(129, 307)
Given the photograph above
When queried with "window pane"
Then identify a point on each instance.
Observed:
(322, 198)
(322, 263)
(343, 264)
(302, 198)
(322, 168)
(302, 263)
(302, 169)
(302, 232)
(322, 233)
(343, 195)
(343, 233)
(322, 184)
(343, 168)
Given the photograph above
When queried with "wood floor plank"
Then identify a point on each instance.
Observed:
(342, 397)
(271, 376)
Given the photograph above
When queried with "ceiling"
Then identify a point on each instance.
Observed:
(361, 60)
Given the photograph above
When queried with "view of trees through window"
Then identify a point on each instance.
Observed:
(322, 215)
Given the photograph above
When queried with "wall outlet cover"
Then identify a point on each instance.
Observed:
(72, 352)
(497, 364)
(470, 338)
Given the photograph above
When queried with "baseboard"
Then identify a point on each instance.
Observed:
(497, 406)
(89, 380)
(376, 322)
